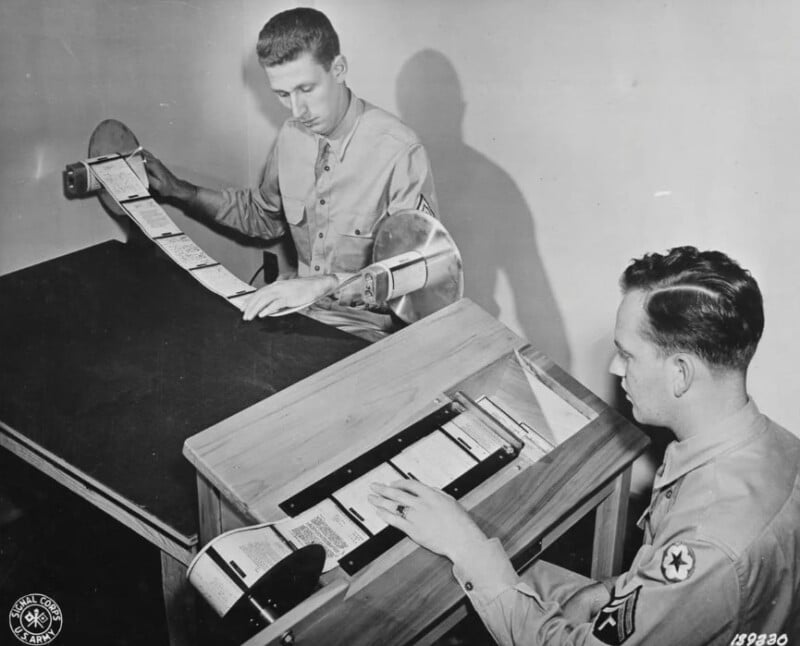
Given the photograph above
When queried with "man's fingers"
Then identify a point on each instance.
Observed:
(393, 519)
(275, 306)
(258, 301)
(415, 487)
(394, 495)
(150, 159)
(382, 503)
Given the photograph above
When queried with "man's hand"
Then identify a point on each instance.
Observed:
(164, 183)
(429, 517)
(284, 294)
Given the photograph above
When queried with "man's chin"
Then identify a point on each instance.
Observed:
(636, 413)
(316, 127)
(642, 420)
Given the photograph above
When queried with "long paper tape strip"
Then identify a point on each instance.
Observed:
(125, 180)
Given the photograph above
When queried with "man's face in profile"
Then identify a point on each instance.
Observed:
(644, 369)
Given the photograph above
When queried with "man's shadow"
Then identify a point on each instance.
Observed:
(480, 204)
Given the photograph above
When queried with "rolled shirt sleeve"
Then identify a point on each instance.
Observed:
(411, 184)
(256, 212)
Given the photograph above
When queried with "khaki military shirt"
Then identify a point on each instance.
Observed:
(330, 192)
(720, 559)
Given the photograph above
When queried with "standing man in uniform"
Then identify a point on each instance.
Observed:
(720, 563)
(337, 166)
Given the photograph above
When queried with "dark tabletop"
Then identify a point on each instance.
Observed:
(112, 356)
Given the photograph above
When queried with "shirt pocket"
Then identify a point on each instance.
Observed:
(353, 245)
(295, 212)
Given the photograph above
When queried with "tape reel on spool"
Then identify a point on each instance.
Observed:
(110, 137)
(285, 585)
(417, 268)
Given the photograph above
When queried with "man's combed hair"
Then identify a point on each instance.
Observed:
(291, 33)
(700, 302)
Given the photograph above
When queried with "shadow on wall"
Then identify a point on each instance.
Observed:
(480, 205)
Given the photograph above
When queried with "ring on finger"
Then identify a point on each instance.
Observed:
(401, 510)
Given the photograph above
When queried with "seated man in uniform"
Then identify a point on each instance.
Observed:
(337, 165)
(720, 563)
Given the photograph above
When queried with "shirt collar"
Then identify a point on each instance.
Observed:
(340, 138)
(685, 456)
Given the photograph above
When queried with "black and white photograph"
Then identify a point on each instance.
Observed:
(383, 322)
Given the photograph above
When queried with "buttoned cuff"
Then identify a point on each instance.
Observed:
(487, 571)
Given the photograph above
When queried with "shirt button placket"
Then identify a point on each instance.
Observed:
(323, 210)
(322, 223)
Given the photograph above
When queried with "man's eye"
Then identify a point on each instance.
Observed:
(306, 89)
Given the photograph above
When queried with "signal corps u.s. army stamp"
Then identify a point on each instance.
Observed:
(35, 619)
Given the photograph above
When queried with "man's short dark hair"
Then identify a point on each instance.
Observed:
(289, 34)
(700, 302)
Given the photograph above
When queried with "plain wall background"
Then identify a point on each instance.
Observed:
(567, 138)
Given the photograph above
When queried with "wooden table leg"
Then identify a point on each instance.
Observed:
(209, 510)
(179, 602)
(609, 529)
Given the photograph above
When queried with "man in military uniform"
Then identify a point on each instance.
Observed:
(337, 166)
(720, 563)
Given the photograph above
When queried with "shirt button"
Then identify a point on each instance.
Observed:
(669, 493)
(316, 267)
(468, 586)
(322, 201)
(358, 232)
(327, 168)
(320, 234)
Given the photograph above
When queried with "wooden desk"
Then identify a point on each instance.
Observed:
(111, 357)
(259, 457)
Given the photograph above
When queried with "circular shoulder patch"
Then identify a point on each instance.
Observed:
(677, 564)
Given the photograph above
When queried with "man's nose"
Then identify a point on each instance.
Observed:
(617, 366)
(298, 106)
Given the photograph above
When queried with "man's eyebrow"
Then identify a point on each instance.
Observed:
(281, 90)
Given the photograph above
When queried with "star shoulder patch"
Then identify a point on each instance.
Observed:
(616, 620)
(677, 564)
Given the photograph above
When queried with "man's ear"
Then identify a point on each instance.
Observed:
(339, 68)
(684, 373)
